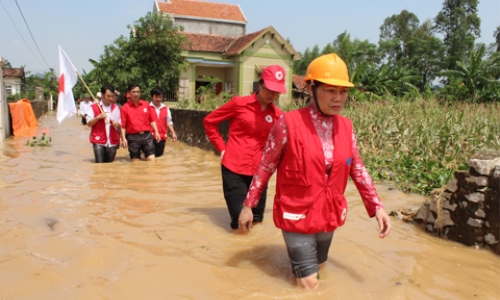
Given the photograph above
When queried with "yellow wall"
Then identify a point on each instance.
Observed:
(266, 51)
(210, 71)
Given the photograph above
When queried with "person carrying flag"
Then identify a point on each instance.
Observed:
(103, 118)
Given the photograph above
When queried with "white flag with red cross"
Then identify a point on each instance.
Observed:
(67, 79)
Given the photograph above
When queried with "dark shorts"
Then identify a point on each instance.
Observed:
(140, 142)
(307, 251)
(159, 148)
(235, 188)
(104, 154)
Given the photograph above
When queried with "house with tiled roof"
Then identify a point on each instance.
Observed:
(218, 46)
(204, 17)
(14, 80)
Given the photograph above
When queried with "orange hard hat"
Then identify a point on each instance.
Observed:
(329, 69)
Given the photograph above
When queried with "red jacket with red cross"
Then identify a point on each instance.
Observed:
(306, 200)
(98, 131)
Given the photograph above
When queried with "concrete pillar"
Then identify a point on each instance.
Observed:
(4, 108)
(38, 93)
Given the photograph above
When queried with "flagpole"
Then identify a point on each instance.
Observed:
(90, 92)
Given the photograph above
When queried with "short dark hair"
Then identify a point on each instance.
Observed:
(107, 87)
(133, 85)
(156, 91)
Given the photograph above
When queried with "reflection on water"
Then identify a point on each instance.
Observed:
(72, 229)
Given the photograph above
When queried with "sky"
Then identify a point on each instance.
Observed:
(83, 28)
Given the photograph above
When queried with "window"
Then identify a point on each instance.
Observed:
(8, 88)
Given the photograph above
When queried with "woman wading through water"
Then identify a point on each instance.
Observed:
(314, 152)
(251, 119)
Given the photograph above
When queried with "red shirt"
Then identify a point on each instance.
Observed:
(137, 118)
(248, 131)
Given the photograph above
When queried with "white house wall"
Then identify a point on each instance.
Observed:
(14, 83)
(4, 110)
(210, 27)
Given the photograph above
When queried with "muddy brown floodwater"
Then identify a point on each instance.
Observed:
(72, 229)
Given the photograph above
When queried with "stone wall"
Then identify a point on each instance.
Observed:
(188, 125)
(40, 107)
(467, 210)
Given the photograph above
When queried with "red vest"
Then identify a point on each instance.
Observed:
(305, 201)
(98, 131)
(161, 122)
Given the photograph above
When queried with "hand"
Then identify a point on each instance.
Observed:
(124, 143)
(246, 218)
(222, 155)
(157, 137)
(102, 115)
(115, 124)
(174, 136)
(384, 222)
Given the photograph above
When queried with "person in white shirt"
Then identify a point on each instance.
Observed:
(105, 121)
(84, 107)
(163, 120)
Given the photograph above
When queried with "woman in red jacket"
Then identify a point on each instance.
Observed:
(251, 119)
(314, 152)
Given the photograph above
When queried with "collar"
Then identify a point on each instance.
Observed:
(161, 105)
(316, 114)
(139, 103)
(103, 105)
(272, 106)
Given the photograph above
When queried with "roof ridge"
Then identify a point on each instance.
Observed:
(245, 35)
(228, 4)
(211, 34)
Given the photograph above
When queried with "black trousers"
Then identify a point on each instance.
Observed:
(159, 148)
(104, 154)
(235, 191)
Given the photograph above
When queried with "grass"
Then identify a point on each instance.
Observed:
(416, 144)
(420, 144)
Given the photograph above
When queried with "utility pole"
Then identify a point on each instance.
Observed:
(51, 100)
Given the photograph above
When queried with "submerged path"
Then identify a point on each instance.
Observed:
(72, 229)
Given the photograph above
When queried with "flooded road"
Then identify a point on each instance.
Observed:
(72, 229)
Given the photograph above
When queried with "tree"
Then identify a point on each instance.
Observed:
(395, 34)
(49, 83)
(496, 35)
(459, 23)
(151, 56)
(425, 54)
(385, 80)
(474, 76)
(90, 81)
(300, 67)
(7, 64)
(356, 53)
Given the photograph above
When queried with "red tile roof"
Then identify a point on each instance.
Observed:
(226, 45)
(207, 42)
(13, 72)
(242, 41)
(203, 9)
(298, 81)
